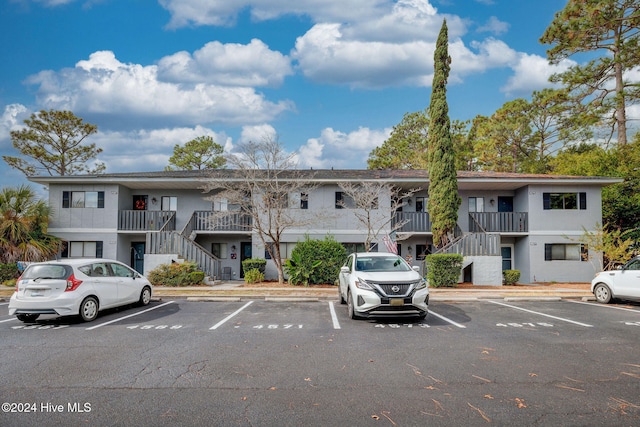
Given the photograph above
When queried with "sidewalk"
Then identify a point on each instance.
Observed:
(237, 291)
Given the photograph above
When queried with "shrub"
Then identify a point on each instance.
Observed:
(10, 283)
(315, 261)
(254, 263)
(8, 272)
(511, 277)
(176, 274)
(253, 276)
(443, 270)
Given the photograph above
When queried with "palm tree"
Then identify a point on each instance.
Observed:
(23, 227)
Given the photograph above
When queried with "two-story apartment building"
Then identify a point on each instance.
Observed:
(530, 223)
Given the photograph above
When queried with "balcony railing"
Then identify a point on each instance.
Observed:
(215, 221)
(411, 222)
(134, 220)
(498, 222)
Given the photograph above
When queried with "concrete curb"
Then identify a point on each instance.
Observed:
(231, 293)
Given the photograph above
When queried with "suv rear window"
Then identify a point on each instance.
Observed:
(47, 271)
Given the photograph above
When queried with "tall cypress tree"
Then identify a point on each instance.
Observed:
(444, 200)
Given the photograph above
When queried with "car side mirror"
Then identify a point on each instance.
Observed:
(416, 268)
(344, 269)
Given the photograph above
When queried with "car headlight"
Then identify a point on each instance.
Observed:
(362, 284)
(421, 284)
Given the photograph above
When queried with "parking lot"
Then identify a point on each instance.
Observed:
(290, 363)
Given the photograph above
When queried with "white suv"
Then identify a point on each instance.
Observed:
(76, 287)
(623, 283)
(378, 284)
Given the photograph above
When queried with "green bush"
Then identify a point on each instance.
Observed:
(315, 262)
(254, 263)
(253, 276)
(176, 274)
(8, 272)
(511, 277)
(10, 283)
(443, 270)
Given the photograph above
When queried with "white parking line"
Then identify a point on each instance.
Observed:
(126, 317)
(220, 323)
(9, 320)
(542, 314)
(446, 319)
(334, 318)
(605, 306)
(4, 303)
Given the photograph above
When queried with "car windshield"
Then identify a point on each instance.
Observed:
(378, 263)
(47, 271)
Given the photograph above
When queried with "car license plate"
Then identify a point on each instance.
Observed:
(37, 294)
(396, 301)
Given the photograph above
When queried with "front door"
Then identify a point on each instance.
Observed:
(505, 204)
(137, 256)
(245, 253)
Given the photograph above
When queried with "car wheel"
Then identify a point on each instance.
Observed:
(89, 309)
(602, 293)
(27, 318)
(145, 296)
(350, 308)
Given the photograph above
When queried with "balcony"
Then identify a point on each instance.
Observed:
(135, 220)
(498, 222)
(412, 222)
(220, 221)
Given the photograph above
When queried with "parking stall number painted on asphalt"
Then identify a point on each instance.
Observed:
(525, 325)
(39, 327)
(155, 327)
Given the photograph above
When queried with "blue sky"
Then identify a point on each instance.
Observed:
(329, 78)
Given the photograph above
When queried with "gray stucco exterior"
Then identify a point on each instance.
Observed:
(535, 237)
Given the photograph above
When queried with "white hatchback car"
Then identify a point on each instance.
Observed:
(382, 284)
(623, 283)
(76, 287)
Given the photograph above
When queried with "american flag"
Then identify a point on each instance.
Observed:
(390, 244)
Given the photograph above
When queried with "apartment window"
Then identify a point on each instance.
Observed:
(354, 247)
(565, 201)
(344, 201)
(220, 204)
(169, 203)
(300, 200)
(82, 250)
(565, 252)
(476, 204)
(219, 250)
(286, 249)
(421, 204)
(83, 199)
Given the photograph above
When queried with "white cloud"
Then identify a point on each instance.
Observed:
(105, 86)
(532, 72)
(227, 64)
(12, 118)
(147, 150)
(258, 133)
(339, 150)
(494, 26)
(224, 12)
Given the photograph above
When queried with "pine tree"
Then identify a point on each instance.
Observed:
(444, 200)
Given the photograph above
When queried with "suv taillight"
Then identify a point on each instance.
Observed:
(72, 283)
(18, 283)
